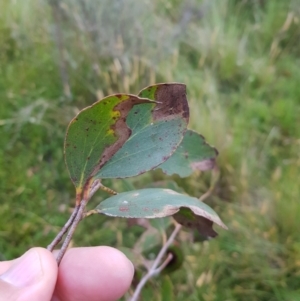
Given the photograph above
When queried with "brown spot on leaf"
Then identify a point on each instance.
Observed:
(172, 102)
(123, 208)
(168, 210)
(120, 128)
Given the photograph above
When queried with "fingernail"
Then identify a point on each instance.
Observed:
(26, 271)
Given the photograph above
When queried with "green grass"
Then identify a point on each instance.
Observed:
(240, 62)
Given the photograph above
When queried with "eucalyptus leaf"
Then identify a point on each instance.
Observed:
(96, 134)
(157, 130)
(192, 154)
(156, 203)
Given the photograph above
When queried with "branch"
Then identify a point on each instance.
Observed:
(63, 231)
(163, 265)
(155, 268)
(74, 225)
(73, 221)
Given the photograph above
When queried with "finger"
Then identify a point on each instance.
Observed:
(5, 265)
(95, 273)
(31, 277)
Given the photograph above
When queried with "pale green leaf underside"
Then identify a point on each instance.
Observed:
(155, 203)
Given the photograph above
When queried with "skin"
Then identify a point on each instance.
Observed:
(94, 274)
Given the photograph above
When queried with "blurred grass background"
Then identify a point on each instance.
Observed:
(240, 60)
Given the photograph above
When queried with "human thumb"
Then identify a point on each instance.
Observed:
(31, 277)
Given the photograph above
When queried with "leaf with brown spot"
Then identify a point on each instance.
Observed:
(187, 218)
(192, 154)
(96, 134)
(157, 130)
(155, 202)
(171, 98)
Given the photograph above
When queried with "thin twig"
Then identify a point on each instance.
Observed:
(62, 232)
(206, 194)
(149, 275)
(95, 186)
(215, 175)
(154, 270)
(163, 265)
(72, 222)
(68, 238)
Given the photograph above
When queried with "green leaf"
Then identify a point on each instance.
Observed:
(155, 202)
(192, 154)
(167, 289)
(96, 134)
(157, 130)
